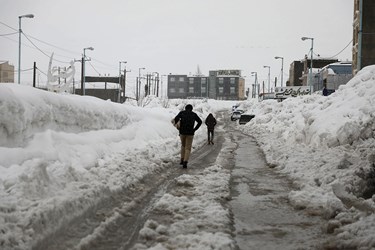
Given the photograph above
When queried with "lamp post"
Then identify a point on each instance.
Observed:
(119, 80)
(269, 79)
(282, 68)
(138, 91)
(83, 69)
(255, 83)
(19, 44)
(311, 62)
(157, 83)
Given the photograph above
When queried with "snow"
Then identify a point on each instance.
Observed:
(61, 153)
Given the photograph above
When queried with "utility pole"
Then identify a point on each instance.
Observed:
(82, 75)
(147, 86)
(83, 68)
(34, 74)
(125, 71)
(58, 71)
(136, 88)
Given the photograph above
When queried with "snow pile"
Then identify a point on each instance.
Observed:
(321, 142)
(34, 111)
(61, 154)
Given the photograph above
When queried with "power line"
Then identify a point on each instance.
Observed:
(94, 68)
(338, 52)
(54, 46)
(9, 34)
(8, 26)
(44, 53)
(34, 47)
(41, 72)
(49, 44)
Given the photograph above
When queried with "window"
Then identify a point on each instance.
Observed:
(232, 90)
(221, 80)
(221, 90)
(191, 80)
(191, 89)
(203, 80)
(203, 89)
(181, 79)
(181, 90)
(232, 80)
(172, 79)
(172, 90)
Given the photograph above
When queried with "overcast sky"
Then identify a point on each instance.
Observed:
(175, 36)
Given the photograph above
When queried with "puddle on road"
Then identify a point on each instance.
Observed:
(262, 216)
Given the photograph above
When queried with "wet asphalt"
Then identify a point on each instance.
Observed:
(262, 215)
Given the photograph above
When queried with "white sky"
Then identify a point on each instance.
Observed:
(59, 149)
(169, 36)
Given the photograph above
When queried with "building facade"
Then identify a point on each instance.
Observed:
(363, 34)
(227, 85)
(6, 72)
(184, 86)
(295, 72)
(334, 75)
(220, 85)
(299, 70)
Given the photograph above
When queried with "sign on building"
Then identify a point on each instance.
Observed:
(291, 91)
(229, 73)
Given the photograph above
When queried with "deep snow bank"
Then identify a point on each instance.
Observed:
(33, 110)
(325, 142)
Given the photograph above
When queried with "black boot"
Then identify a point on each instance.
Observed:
(184, 164)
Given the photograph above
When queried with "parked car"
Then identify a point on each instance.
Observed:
(234, 107)
(245, 118)
(235, 115)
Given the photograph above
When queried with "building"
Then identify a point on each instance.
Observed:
(334, 75)
(184, 86)
(295, 72)
(363, 34)
(226, 85)
(299, 70)
(220, 85)
(318, 63)
(6, 72)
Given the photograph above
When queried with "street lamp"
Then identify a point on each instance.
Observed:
(282, 68)
(19, 44)
(83, 68)
(311, 62)
(269, 79)
(138, 90)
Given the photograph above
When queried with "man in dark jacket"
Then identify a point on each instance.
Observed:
(187, 119)
(210, 123)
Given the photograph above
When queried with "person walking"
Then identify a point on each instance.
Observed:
(210, 123)
(187, 119)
